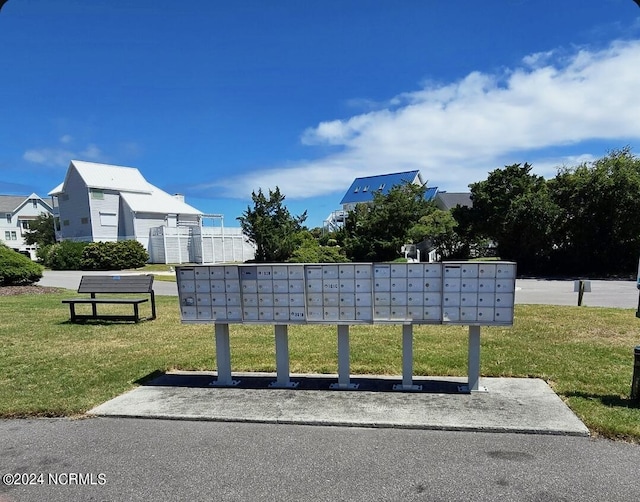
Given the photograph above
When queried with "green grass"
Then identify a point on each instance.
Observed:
(51, 367)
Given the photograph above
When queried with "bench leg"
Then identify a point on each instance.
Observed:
(136, 312)
(72, 311)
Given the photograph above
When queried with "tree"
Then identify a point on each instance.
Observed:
(377, 231)
(597, 231)
(514, 208)
(270, 226)
(439, 228)
(41, 231)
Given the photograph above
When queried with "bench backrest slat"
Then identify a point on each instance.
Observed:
(116, 284)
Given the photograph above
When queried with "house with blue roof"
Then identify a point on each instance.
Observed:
(363, 189)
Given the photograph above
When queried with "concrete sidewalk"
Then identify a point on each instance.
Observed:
(509, 405)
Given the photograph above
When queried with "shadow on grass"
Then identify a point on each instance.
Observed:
(314, 382)
(610, 400)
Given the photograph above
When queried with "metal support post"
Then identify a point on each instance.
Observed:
(223, 358)
(474, 362)
(343, 359)
(407, 360)
(282, 358)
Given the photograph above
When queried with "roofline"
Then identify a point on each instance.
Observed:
(386, 174)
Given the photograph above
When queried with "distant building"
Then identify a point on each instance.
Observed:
(100, 202)
(362, 190)
(16, 213)
(450, 200)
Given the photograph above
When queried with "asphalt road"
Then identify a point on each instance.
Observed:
(619, 294)
(131, 459)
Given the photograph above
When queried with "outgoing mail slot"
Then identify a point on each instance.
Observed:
(314, 272)
(186, 273)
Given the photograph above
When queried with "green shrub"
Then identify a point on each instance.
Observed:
(132, 253)
(17, 269)
(65, 255)
(114, 255)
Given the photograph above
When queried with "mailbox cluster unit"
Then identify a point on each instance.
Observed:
(469, 293)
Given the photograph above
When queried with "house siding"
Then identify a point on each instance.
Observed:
(73, 205)
(103, 226)
(12, 232)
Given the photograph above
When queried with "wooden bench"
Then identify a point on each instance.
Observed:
(113, 284)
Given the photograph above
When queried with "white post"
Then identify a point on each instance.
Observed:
(282, 357)
(474, 360)
(223, 357)
(343, 359)
(407, 360)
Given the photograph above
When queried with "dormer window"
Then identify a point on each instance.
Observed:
(356, 189)
(381, 187)
(365, 188)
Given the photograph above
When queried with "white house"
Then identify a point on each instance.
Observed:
(100, 202)
(16, 212)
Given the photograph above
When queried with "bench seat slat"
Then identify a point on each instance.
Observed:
(106, 300)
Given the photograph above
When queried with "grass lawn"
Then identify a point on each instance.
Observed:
(53, 368)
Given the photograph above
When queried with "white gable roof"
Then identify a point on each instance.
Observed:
(140, 195)
(108, 177)
(157, 202)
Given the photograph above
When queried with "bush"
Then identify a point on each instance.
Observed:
(17, 269)
(114, 255)
(65, 255)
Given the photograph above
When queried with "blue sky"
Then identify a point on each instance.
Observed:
(214, 99)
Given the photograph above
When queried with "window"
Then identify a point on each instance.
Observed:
(97, 194)
(24, 224)
(109, 219)
(10, 236)
(65, 223)
(381, 187)
(8, 217)
(35, 203)
(365, 188)
(356, 189)
(84, 221)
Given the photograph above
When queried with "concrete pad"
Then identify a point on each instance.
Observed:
(509, 405)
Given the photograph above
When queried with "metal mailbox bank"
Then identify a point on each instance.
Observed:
(465, 293)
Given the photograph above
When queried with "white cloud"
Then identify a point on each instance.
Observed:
(60, 157)
(457, 132)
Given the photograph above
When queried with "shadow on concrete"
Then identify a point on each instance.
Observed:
(304, 382)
